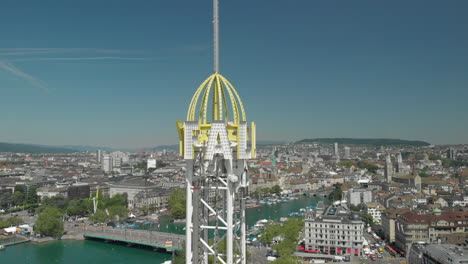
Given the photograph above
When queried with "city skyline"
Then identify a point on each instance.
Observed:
(119, 75)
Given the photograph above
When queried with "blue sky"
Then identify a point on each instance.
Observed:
(120, 73)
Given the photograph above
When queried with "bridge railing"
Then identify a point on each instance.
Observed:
(135, 235)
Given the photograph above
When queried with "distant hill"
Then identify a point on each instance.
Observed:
(174, 147)
(367, 141)
(270, 142)
(93, 148)
(33, 149)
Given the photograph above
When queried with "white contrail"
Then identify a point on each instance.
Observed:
(33, 80)
(80, 58)
(32, 51)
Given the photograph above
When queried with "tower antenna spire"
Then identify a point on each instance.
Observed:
(216, 35)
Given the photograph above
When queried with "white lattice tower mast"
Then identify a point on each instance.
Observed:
(214, 141)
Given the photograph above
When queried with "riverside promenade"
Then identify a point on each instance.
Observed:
(167, 241)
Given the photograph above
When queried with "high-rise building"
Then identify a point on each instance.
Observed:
(335, 150)
(151, 163)
(98, 156)
(119, 158)
(338, 231)
(347, 152)
(107, 163)
(388, 168)
(451, 153)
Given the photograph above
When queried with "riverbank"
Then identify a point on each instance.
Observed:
(10, 241)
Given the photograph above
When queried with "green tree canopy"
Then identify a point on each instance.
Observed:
(368, 219)
(32, 196)
(14, 221)
(18, 198)
(276, 189)
(176, 204)
(6, 199)
(49, 222)
(336, 194)
(99, 217)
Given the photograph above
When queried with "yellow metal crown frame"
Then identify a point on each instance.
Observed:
(219, 92)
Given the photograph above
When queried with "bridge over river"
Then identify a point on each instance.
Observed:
(160, 240)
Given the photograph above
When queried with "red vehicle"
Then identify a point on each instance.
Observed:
(373, 257)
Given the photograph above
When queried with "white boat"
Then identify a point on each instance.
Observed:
(2, 247)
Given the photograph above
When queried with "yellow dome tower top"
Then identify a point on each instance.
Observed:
(218, 95)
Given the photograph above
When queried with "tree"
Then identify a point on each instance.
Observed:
(118, 199)
(285, 248)
(32, 196)
(176, 204)
(276, 189)
(144, 209)
(56, 201)
(270, 231)
(5, 200)
(14, 221)
(357, 208)
(153, 208)
(20, 188)
(99, 217)
(346, 163)
(18, 198)
(179, 211)
(49, 222)
(118, 212)
(336, 194)
(3, 223)
(368, 219)
(424, 175)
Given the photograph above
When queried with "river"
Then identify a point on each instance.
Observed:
(94, 252)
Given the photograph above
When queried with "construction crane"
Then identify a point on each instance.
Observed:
(95, 200)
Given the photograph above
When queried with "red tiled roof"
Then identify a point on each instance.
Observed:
(453, 217)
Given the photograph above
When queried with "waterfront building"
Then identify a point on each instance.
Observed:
(158, 197)
(412, 228)
(337, 231)
(131, 186)
(437, 254)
